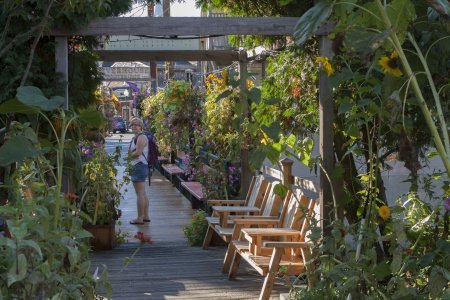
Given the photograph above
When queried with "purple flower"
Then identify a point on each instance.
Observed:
(447, 203)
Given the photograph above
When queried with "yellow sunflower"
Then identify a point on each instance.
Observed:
(325, 64)
(390, 64)
(265, 139)
(384, 212)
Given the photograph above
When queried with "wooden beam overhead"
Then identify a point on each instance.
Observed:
(220, 56)
(182, 26)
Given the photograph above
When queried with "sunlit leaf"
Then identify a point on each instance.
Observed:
(280, 190)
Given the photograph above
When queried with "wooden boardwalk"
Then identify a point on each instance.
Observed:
(170, 268)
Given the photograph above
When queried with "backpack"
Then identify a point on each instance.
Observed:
(153, 151)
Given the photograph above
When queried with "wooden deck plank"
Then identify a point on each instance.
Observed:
(169, 268)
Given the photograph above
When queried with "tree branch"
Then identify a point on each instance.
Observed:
(35, 42)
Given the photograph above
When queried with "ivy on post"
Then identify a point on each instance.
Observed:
(326, 133)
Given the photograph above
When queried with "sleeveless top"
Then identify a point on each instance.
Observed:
(143, 157)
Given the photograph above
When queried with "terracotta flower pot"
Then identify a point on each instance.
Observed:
(103, 236)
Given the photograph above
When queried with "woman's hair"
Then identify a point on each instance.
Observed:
(137, 121)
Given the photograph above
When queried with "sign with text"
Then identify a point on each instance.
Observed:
(126, 73)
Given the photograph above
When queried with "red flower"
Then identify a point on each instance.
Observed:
(71, 196)
(408, 251)
(143, 238)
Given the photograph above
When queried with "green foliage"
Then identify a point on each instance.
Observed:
(415, 261)
(196, 230)
(45, 250)
(311, 20)
(292, 80)
(38, 258)
(21, 22)
(257, 8)
(101, 190)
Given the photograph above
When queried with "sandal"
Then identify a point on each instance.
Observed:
(147, 220)
(136, 222)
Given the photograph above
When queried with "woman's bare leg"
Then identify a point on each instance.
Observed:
(141, 201)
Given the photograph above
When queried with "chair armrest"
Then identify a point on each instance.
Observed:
(288, 244)
(235, 209)
(236, 218)
(217, 202)
(270, 232)
(256, 221)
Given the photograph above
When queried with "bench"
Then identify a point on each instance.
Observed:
(170, 171)
(161, 160)
(194, 192)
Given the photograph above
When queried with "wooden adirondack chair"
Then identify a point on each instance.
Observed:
(270, 209)
(267, 249)
(270, 217)
(222, 208)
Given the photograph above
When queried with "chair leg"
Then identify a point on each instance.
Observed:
(234, 267)
(208, 237)
(228, 258)
(270, 276)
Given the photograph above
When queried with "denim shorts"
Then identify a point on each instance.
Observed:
(139, 172)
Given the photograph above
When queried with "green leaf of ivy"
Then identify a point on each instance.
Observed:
(257, 159)
(280, 190)
(255, 95)
(224, 94)
(273, 130)
(272, 101)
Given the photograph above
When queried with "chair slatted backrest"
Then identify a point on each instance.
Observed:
(256, 194)
(272, 202)
(298, 212)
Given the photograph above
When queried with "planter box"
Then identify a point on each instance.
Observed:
(103, 236)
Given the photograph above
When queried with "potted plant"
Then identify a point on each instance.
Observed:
(99, 203)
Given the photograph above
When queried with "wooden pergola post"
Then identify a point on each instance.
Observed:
(326, 137)
(62, 65)
(245, 164)
(286, 167)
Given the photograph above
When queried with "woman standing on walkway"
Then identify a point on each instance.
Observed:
(139, 172)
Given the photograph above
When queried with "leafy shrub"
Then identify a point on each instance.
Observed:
(196, 230)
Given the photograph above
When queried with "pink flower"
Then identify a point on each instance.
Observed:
(143, 238)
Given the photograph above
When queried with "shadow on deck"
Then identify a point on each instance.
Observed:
(169, 268)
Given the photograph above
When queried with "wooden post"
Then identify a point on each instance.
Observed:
(62, 65)
(153, 70)
(326, 138)
(245, 164)
(169, 64)
(286, 168)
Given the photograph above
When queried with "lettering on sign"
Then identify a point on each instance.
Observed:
(114, 73)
